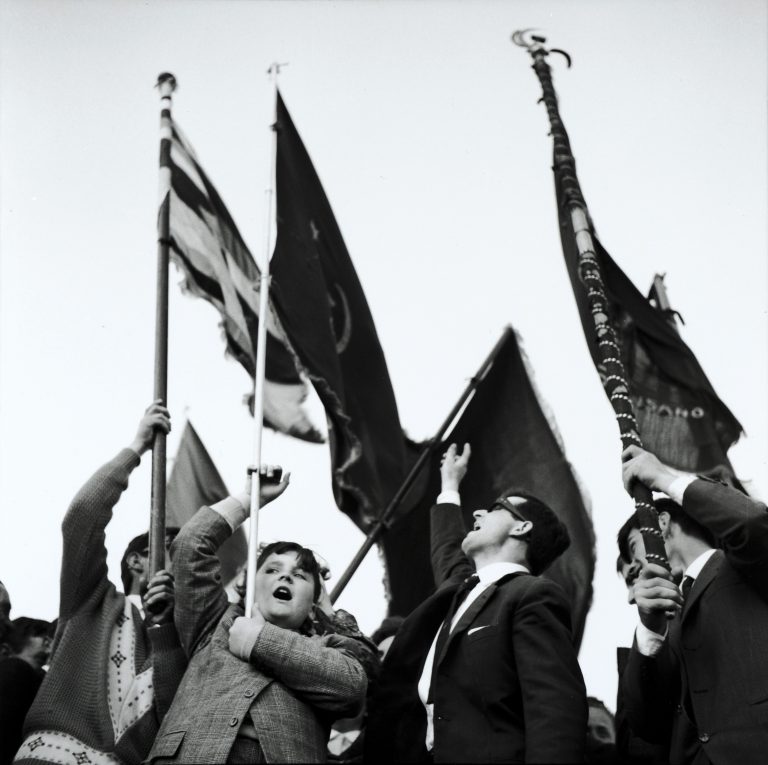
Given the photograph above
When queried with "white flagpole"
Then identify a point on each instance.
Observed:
(261, 356)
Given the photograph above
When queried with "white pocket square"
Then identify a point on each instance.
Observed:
(476, 629)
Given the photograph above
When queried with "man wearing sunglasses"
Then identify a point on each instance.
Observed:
(485, 669)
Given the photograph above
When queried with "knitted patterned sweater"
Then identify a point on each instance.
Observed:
(111, 678)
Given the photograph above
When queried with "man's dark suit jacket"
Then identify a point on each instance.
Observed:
(708, 687)
(507, 686)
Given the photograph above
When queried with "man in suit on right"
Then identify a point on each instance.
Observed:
(698, 669)
(485, 669)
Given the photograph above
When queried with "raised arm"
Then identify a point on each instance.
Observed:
(200, 596)
(84, 558)
(446, 523)
(738, 521)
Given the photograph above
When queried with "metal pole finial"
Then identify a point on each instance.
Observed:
(274, 67)
(166, 78)
(534, 44)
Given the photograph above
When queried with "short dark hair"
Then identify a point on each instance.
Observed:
(138, 545)
(23, 628)
(548, 537)
(622, 538)
(687, 525)
(305, 559)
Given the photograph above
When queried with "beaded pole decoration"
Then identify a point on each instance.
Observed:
(610, 366)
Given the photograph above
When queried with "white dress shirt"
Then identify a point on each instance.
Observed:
(136, 601)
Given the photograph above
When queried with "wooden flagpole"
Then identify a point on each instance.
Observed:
(614, 379)
(261, 357)
(383, 522)
(166, 84)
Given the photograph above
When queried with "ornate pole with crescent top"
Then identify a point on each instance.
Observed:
(578, 222)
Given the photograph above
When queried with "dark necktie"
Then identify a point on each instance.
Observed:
(445, 630)
(685, 588)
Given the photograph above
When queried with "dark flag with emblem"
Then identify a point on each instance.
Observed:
(514, 442)
(195, 482)
(322, 307)
(218, 267)
(680, 418)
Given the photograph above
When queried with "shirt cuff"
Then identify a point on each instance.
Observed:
(678, 486)
(649, 643)
(450, 496)
(232, 511)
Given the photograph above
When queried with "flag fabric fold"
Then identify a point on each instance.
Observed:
(680, 417)
(514, 442)
(322, 307)
(194, 482)
(218, 267)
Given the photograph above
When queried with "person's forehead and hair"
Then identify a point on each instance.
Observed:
(627, 570)
(140, 545)
(25, 627)
(622, 538)
(305, 560)
(601, 723)
(548, 537)
(5, 601)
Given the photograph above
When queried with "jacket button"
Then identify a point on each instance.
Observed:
(678, 709)
(248, 694)
(233, 722)
(704, 737)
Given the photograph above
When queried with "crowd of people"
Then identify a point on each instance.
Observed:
(485, 670)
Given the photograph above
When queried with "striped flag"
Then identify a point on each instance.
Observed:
(218, 267)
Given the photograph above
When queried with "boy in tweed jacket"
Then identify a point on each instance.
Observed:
(261, 689)
(113, 673)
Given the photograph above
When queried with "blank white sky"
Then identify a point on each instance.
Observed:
(422, 122)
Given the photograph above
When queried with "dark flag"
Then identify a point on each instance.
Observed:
(218, 267)
(514, 442)
(321, 305)
(195, 482)
(679, 416)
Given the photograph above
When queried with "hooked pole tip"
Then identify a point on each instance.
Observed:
(166, 79)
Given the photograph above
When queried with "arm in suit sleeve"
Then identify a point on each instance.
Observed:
(84, 558)
(740, 522)
(168, 665)
(551, 684)
(321, 670)
(446, 534)
(200, 597)
(649, 687)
